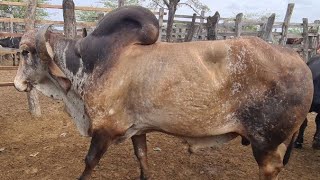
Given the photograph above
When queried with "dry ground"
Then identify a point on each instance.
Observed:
(51, 148)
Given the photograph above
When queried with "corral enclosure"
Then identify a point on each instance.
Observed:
(49, 147)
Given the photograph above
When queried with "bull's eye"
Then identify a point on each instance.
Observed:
(25, 53)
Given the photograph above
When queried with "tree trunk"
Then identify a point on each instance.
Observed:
(172, 11)
(30, 16)
(69, 19)
(191, 30)
(120, 3)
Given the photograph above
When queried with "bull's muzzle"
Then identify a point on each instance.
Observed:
(22, 86)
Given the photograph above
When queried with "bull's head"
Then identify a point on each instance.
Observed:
(37, 66)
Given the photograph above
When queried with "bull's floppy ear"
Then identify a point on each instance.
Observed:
(43, 47)
(63, 81)
(49, 50)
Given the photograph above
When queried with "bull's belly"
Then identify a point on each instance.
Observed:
(195, 124)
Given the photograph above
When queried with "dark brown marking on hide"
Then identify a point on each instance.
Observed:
(266, 120)
(118, 29)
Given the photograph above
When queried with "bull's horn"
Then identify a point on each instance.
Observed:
(42, 45)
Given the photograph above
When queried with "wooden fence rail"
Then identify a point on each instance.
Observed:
(5, 84)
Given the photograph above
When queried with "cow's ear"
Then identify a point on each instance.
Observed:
(61, 78)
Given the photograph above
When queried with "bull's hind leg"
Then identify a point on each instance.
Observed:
(140, 150)
(99, 144)
(271, 161)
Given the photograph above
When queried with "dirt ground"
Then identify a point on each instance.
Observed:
(51, 148)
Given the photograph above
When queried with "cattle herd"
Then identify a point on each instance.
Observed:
(119, 82)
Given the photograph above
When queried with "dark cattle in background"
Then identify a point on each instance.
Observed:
(294, 40)
(10, 42)
(314, 65)
(119, 83)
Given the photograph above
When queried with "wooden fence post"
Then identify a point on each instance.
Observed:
(161, 14)
(11, 23)
(190, 33)
(212, 26)
(267, 32)
(318, 37)
(285, 24)
(200, 29)
(33, 100)
(99, 17)
(238, 24)
(313, 43)
(69, 19)
(305, 35)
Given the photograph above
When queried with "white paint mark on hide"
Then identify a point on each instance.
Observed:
(64, 56)
(111, 112)
(121, 82)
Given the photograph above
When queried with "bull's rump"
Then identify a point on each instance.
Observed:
(209, 88)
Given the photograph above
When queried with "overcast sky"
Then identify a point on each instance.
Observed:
(229, 8)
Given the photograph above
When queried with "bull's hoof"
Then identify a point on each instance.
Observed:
(297, 145)
(316, 145)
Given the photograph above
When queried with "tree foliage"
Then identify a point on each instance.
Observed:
(195, 5)
(19, 11)
(112, 4)
(172, 6)
(254, 17)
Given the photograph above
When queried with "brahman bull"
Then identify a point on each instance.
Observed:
(119, 83)
(314, 65)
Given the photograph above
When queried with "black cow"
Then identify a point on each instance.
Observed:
(10, 42)
(314, 65)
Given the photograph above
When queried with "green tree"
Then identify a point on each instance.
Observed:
(172, 6)
(90, 16)
(254, 17)
(19, 11)
(295, 30)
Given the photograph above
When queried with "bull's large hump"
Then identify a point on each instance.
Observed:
(135, 23)
(118, 29)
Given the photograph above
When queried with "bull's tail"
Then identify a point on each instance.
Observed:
(288, 151)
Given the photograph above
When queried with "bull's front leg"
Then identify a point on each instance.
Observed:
(99, 144)
(140, 150)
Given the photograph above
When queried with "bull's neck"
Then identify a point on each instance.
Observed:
(70, 64)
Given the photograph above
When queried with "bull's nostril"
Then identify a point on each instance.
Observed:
(21, 86)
